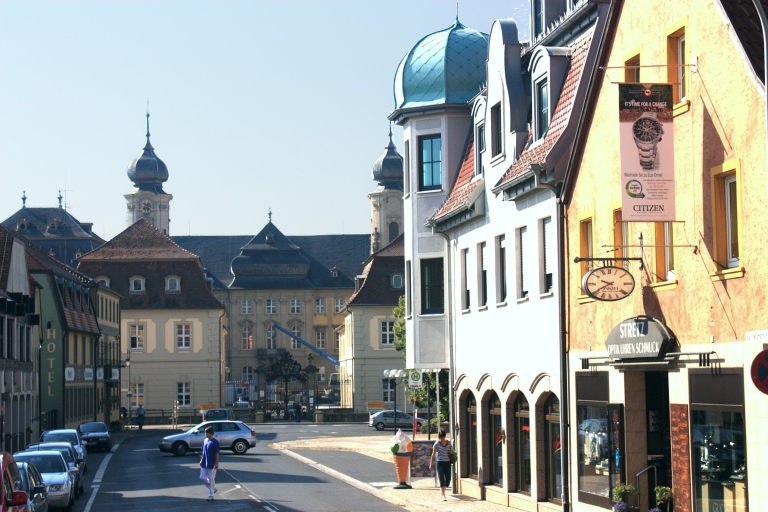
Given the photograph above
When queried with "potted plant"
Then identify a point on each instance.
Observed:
(664, 495)
(620, 494)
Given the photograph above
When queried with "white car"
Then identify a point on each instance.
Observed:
(67, 435)
(58, 477)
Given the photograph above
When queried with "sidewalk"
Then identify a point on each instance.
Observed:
(424, 496)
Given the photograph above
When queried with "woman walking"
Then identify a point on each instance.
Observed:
(441, 453)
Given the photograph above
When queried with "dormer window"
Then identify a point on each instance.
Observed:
(137, 284)
(172, 284)
(103, 281)
(21, 225)
(542, 108)
(397, 281)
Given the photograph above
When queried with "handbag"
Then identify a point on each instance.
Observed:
(451, 456)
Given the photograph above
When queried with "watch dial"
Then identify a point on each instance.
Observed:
(609, 283)
(647, 129)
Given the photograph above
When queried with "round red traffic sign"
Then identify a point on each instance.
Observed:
(760, 371)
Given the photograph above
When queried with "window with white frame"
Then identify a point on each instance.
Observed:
(172, 284)
(184, 336)
(497, 136)
(247, 338)
(538, 17)
(501, 259)
(319, 306)
(542, 109)
(681, 92)
(548, 249)
(731, 222)
(337, 339)
(184, 394)
(320, 339)
(338, 305)
(247, 373)
(137, 284)
(482, 253)
(397, 281)
(430, 163)
(246, 307)
(136, 334)
(271, 338)
(388, 391)
(103, 280)
(479, 148)
(522, 264)
(388, 333)
(271, 306)
(137, 390)
(295, 306)
(465, 297)
(296, 332)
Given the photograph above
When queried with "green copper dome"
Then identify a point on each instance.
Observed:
(447, 66)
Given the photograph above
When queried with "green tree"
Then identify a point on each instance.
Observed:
(399, 313)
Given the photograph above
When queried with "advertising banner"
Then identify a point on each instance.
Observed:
(646, 135)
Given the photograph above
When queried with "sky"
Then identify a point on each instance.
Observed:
(254, 105)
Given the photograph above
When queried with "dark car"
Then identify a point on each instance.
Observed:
(96, 436)
(70, 457)
(32, 482)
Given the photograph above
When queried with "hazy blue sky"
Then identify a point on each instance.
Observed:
(256, 104)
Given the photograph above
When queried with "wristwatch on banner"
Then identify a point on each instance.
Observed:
(647, 132)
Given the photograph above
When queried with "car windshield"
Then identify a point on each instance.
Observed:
(93, 427)
(67, 437)
(65, 452)
(25, 480)
(45, 463)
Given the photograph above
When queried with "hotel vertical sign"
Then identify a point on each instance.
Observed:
(646, 135)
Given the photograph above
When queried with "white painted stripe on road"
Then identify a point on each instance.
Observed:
(93, 497)
(347, 479)
(270, 508)
(252, 495)
(97, 479)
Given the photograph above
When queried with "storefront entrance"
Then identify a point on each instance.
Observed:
(657, 433)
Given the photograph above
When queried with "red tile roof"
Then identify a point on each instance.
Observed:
(464, 186)
(140, 241)
(560, 118)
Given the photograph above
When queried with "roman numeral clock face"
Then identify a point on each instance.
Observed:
(608, 283)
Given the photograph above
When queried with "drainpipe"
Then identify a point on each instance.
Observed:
(764, 26)
(451, 360)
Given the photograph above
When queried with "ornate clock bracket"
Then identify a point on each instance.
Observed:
(607, 262)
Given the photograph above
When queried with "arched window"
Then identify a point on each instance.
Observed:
(247, 337)
(394, 230)
(495, 440)
(552, 448)
(397, 281)
(137, 284)
(172, 284)
(523, 448)
(472, 455)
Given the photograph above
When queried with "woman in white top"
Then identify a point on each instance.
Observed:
(441, 453)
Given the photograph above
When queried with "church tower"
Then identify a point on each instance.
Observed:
(387, 199)
(147, 199)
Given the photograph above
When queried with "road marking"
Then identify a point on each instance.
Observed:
(93, 497)
(102, 468)
(252, 495)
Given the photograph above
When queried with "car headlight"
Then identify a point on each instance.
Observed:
(57, 487)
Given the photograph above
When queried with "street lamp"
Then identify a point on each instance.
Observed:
(396, 376)
(130, 395)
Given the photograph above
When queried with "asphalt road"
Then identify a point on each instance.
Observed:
(136, 476)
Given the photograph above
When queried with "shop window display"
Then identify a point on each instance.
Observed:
(594, 453)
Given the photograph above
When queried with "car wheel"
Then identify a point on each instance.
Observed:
(379, 426)
(179, 448)
(240, 447)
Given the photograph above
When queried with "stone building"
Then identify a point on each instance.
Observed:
(387, 198)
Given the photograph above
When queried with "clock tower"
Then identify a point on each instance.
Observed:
(147, 199)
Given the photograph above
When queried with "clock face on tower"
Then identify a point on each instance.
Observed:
(608, 283)
(146, 207)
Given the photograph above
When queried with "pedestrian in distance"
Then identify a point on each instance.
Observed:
(441, 454)
(140, 417)
(209, 462)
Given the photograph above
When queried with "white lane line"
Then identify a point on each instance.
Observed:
(243, 486)
(93, 497)
(347, 479)
(270, 508)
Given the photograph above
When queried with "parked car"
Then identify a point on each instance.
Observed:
(386, 419)
(232, 435)
(70, 456)
(33, 483)
(58, 477)
(217, 414)
(12, 497)
(96, 435)
(67, 435)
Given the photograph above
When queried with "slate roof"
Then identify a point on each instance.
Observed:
(67, 238)
(345, 252)
(143, 250)
(464, 186)
(73, 292)
(560, 119)
(6, 246)
(376, 289)
(746, 23)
